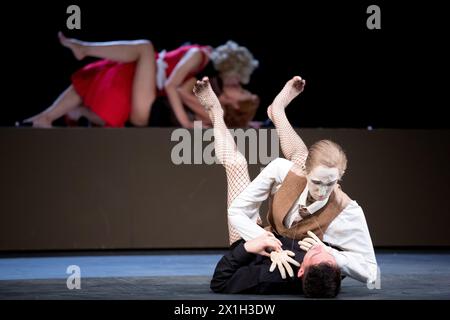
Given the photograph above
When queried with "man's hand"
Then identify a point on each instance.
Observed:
(281, 259)
(308, 242)
(259, 245)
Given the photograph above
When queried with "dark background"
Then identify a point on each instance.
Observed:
(389, 78)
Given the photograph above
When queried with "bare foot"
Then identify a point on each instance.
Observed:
(207, 97)
(298, 84)
(39, 122)
(74, 45)
(292, 89)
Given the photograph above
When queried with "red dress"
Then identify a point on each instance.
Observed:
(105, 86)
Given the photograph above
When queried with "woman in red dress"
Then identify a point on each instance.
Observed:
(123, 85)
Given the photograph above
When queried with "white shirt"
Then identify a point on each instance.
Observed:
(347, 231)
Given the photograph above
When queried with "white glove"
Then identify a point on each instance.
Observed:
(308, 242)
(282, 260)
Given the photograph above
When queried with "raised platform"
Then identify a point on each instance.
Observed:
(83, 188)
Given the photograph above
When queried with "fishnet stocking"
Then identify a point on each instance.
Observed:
(293, 147)
(225, 148)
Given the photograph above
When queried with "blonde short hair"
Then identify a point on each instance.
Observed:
(232, 58)
(326, 153)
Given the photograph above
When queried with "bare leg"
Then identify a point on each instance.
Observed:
(66, 102)
(139, 51)
(226, 150)
(292, 145)
(82, 111)
(120, 51)
(144, 86)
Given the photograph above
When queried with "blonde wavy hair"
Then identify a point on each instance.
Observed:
(232, 58)
(326, 153)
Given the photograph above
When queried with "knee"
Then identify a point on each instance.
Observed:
(139, 120)
(146, 46)
(240, 160)
(235, 162)
(140, 114)
(170, 86)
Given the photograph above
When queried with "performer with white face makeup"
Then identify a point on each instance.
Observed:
(321, 182)
(307, 203)
(248, 266)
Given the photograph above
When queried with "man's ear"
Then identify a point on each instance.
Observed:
(301, 271)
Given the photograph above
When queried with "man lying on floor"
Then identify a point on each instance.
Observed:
(247, 268)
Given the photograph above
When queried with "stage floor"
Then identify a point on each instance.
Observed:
(185, 275)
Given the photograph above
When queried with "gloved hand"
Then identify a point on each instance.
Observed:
(281, 259)
(308, 242)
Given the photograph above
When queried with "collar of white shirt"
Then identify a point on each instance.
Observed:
(313, 207)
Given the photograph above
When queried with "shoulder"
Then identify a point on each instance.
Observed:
(276, 170)
(342, 198)
(185, 52)
(354, 207)
(353, 211)
(349, 207)
(197, 49)
(191, 57)
(280, 166)
(194, 51)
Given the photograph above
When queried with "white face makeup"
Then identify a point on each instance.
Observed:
(321, 182)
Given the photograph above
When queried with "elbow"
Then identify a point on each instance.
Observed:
(219, 279)
(170, 87)
(182, 93)
(217, 286)
(232, 215)
(375, 275)
(233, 219)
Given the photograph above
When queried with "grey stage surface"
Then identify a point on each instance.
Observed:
(185, 275)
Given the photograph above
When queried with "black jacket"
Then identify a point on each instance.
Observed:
(241, 272)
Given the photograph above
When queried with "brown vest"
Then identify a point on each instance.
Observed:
(283, 200)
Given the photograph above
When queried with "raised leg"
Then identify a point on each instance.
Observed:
(120, 51)
(144, 86)
(139, 51)
(226, 150)
(292, 145)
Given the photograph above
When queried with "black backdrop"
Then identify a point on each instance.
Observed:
(388, 78)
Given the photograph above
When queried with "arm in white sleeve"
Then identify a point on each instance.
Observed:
(244, 210)
(357, 260)
(356, 266)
